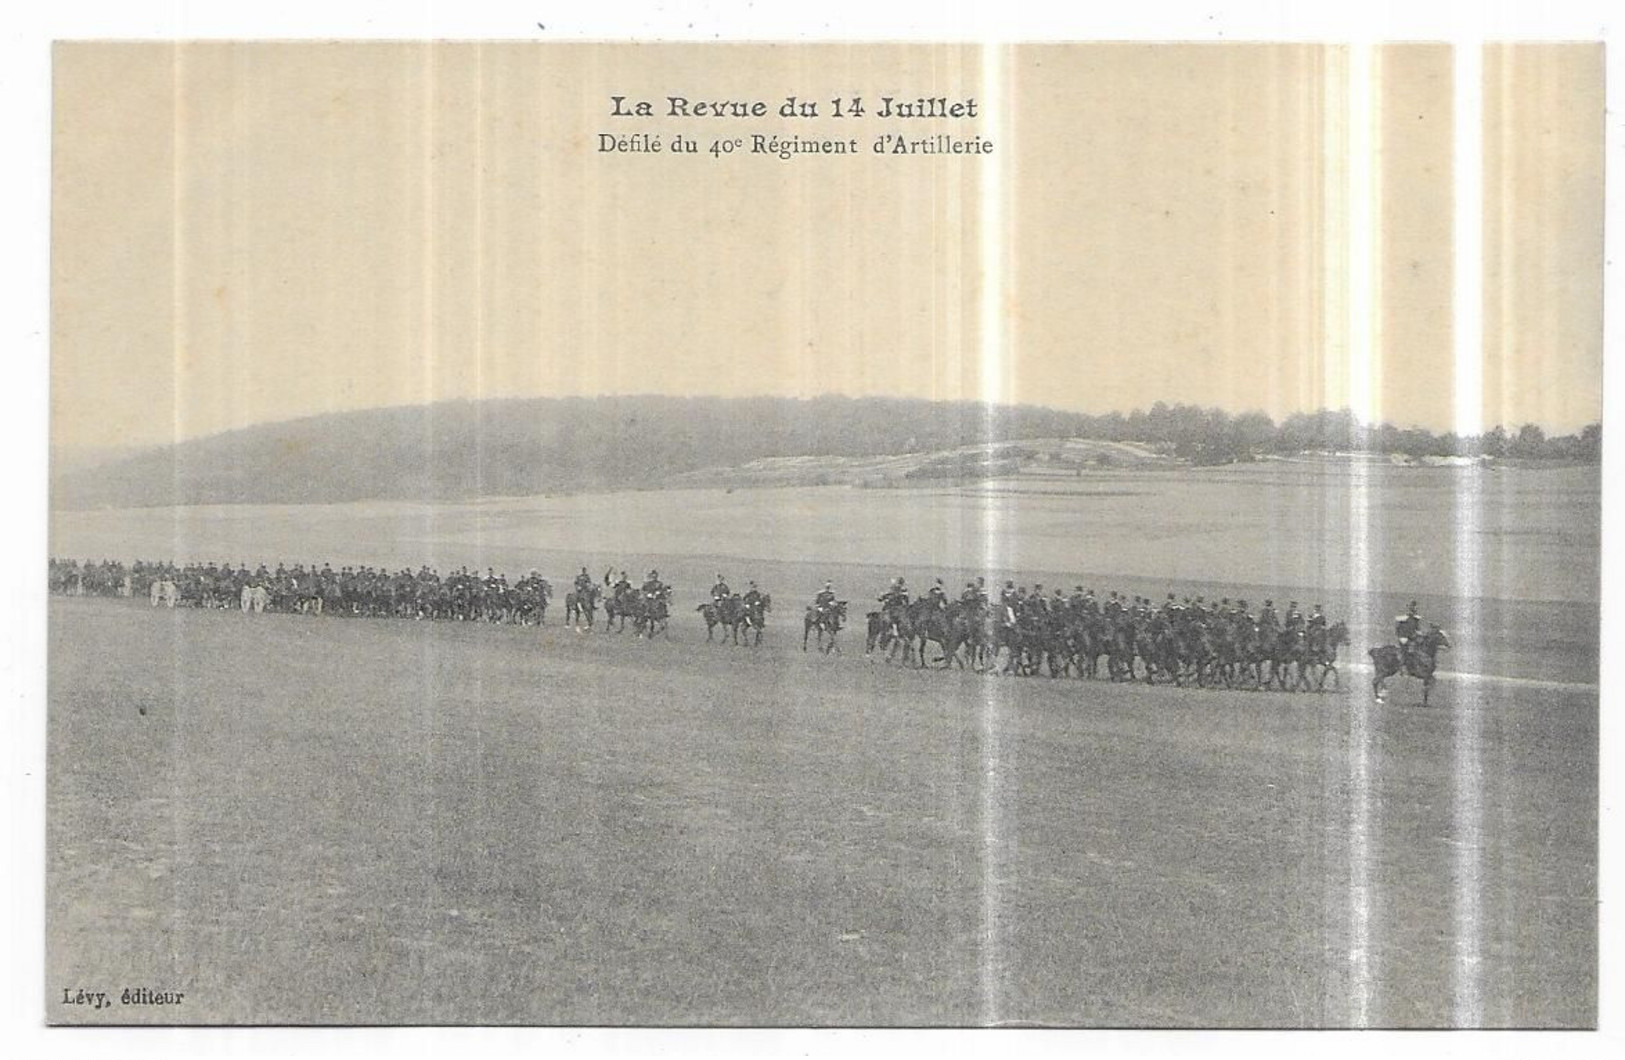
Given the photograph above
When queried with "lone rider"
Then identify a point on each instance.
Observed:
(1408, 628)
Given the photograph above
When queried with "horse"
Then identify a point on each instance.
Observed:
(753, 616)
(879, 632)
(1420, 662)
(581, 608)
(1323, 645)
(254, 599)
(1292, 657)
(618, 607)
(712, 613)
(944, 625)
(652, 614)
(828, 620)
(165, 594)
(728, 612)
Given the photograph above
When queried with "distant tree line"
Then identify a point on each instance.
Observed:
(1209, 435)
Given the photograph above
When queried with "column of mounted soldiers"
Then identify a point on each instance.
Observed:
(1031, 630)
(1019, 630)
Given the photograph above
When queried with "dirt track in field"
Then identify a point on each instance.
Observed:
(389, 821)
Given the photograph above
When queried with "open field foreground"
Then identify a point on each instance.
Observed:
(397, 821)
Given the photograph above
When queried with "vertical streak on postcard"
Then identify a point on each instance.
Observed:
(1362, 313)
(994, 367)
(479, 264)
(1467, 332)
(178, 321)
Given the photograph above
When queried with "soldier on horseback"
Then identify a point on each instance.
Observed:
(1408, 628)
(938, 596)
(652, 586)
(1009, 600)
(825, 600)
(583, 582)
(720, 591)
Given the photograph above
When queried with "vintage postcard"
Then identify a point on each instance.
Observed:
(851, 534)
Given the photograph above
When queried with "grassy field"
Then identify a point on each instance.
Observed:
(386, 821)
(389, 821)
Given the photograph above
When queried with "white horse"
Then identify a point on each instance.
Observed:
(255, 597)
(164, 594)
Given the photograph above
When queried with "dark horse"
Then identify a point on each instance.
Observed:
(753, 617)
(1323, 645)
(581, 607)
(617, 606)
(1420, 662)
(827, 621)
(729, 613)
(651, 613)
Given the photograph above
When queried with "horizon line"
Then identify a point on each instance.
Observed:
(1360, 422)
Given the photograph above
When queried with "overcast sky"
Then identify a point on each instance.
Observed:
(256, 232)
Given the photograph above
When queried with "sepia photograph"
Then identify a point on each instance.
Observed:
(841, 534)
